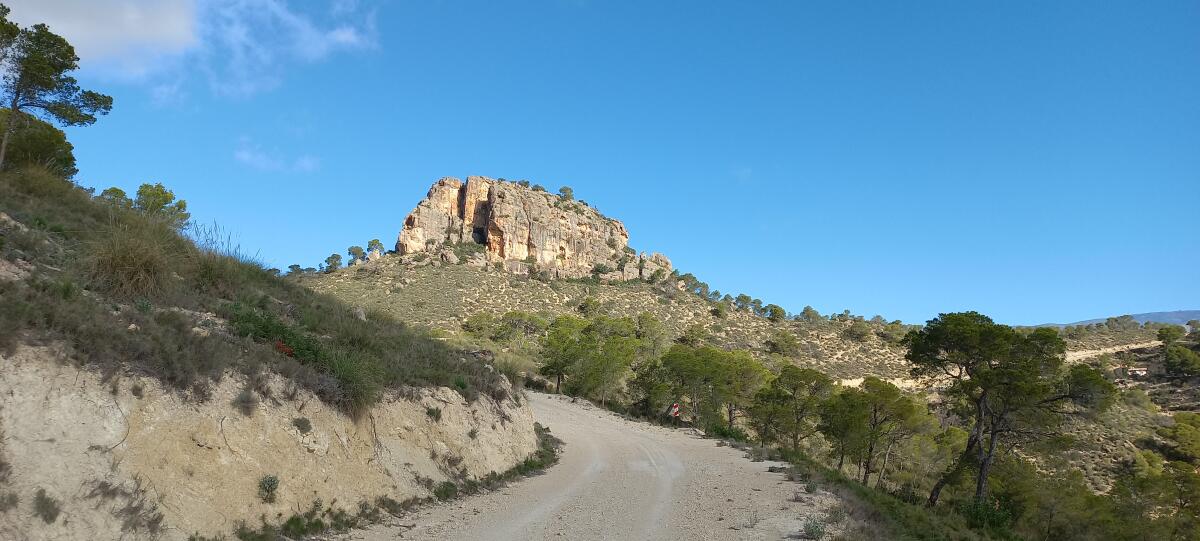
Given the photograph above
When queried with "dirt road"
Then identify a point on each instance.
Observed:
(622, 480)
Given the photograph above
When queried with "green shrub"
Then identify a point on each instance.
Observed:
(858, 331)
(1138, 399)
(434, 413)
(726, 432)
(36, 142)
(268, 486)
(783, 342)
(302, 424)
(813, 529)
(8, 502)
(246, 402)
(445, 490)
(46, 507)
(464, 250)
(479, 324)
(1181, 361)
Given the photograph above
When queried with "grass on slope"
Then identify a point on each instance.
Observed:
(123, 290)
(441, 296)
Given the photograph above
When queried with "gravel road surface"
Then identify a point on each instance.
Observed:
(619, 479)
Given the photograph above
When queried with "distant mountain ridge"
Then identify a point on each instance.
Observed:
(1178, 317)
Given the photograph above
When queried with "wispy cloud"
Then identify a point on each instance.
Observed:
(255, 156)
(248, 43)
(242, 47)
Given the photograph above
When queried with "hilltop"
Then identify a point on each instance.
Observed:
(491, 246)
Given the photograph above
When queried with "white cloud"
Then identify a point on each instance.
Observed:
(128, 37)
(254, 155)
(242, 46)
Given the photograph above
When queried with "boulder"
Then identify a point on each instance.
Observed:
(652, 263)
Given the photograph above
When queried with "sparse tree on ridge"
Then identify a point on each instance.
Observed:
(157, 202)
(742, 301)
(375, 245)
(567, 193)
(116, 197)
(36, 65)
(333, 262)
(356, 253)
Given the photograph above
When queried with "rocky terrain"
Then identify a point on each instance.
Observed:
(525, 231)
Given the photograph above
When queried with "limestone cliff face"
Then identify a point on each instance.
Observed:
(525, 230)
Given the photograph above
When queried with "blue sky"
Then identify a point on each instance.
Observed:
(1034, 161)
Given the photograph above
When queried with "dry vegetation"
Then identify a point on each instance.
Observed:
(442, 296)
(127, 289)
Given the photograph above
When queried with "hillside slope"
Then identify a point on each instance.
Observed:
(442, 295)
(156, 384)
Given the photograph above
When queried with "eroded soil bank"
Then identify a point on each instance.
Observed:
(128, 459)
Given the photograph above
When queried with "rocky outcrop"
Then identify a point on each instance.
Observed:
(524, 231)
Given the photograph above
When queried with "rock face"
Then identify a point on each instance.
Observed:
(524, 231)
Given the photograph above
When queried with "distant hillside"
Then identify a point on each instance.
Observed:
(496, 247)
(1177, 317)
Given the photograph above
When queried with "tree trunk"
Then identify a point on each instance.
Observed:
(972, 442)
(887, 455)
(985, 465)
(841, 461)
(8, 129)
(557, 384)
(866, 473)
(954, 471)
(14, 116)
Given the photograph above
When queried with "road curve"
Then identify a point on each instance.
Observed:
(619, 479)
